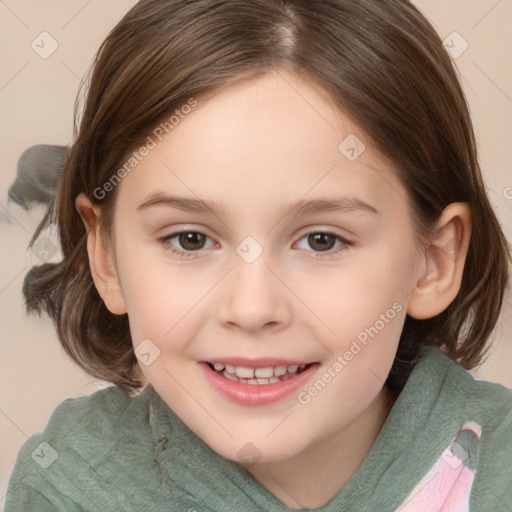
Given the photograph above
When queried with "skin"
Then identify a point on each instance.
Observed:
(256, 147)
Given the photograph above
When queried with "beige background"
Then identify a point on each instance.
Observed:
(36, 106)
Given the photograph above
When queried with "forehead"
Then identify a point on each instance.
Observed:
(268, 140)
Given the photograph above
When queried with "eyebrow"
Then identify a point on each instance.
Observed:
(301, 207)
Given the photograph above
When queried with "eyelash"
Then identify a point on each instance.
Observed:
(165, 241)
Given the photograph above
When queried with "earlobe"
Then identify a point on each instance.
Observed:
(445, 257)
(101, 257)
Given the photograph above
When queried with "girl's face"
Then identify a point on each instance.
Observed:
(297, 248)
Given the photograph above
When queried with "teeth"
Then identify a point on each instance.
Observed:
(279, 370)
(266, 375)
(244, 373)
(229, 376)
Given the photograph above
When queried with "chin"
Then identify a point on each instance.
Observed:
(247, 452)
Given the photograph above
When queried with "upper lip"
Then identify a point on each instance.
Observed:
(256, 363)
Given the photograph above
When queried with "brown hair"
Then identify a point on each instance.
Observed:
(382, 63)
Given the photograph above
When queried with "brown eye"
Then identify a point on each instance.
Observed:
(323, 244)
(322, 241)
(191, 241)
(186, 243)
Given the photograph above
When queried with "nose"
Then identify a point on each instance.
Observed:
(254, 298)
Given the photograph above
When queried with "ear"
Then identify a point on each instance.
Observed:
(101, 257)
(445, 257)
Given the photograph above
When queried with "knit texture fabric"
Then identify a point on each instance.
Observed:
(445, 446)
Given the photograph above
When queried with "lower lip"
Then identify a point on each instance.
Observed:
(257, 394)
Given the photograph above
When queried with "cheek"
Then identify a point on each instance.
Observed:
(157, 306)
(364, 306)
(157, 295)
(352, 298)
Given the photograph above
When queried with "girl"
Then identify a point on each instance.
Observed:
(278, 248)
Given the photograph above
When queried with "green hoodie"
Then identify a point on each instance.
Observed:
(445, 446)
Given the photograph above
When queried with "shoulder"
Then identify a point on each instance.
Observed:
(77, 440)
(464, 428)
(488, 402)
(80, 421)
(455, 397)
(487, 410)
(492, 404)
(98, 411)
(97, 414)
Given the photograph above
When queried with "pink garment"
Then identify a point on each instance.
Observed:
(447, 486)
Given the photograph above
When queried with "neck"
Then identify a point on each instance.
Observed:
(313, 477)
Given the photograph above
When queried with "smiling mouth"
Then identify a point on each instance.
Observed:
(266, 375)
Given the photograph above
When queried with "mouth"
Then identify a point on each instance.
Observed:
(257, 382)
(261, 375)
